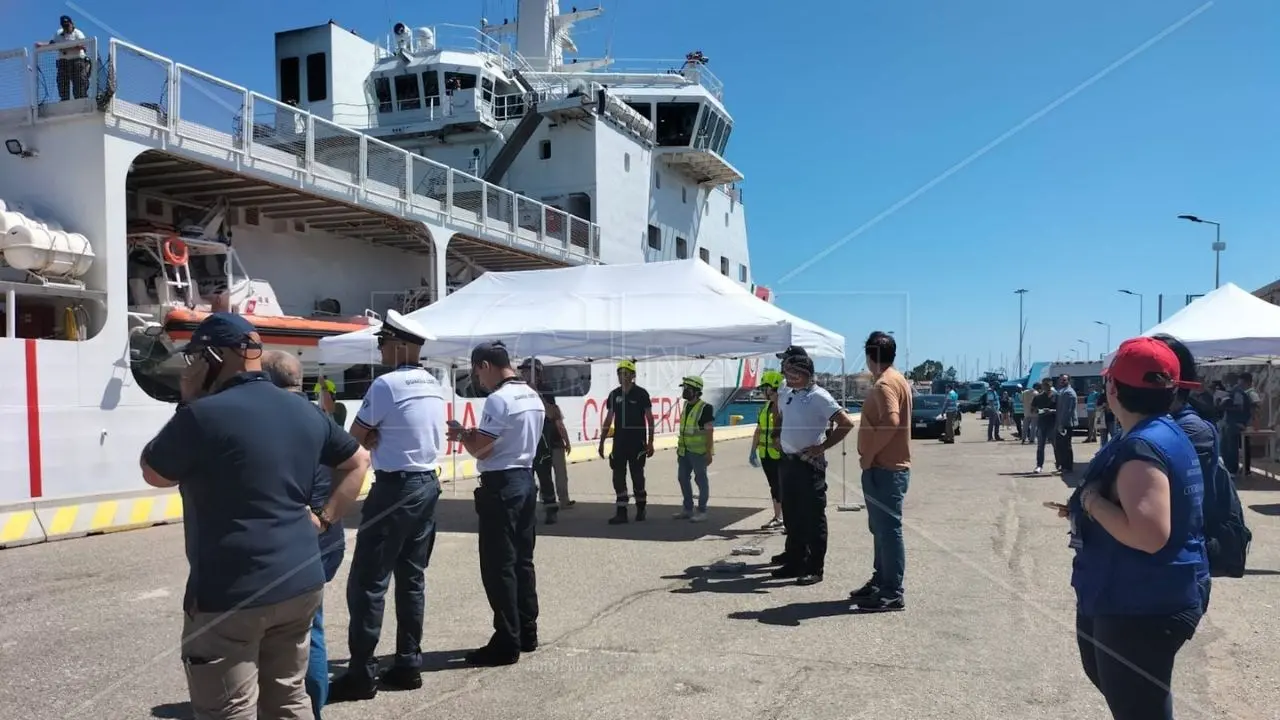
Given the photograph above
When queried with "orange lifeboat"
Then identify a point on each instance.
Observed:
(289, 330)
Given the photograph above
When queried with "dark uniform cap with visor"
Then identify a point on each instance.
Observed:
(221, 330)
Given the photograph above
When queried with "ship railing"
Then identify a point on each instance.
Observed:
(217, 118)
(691, 71)
(52, 80)
(456, 38)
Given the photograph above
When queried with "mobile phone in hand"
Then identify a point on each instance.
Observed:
(1055, 505)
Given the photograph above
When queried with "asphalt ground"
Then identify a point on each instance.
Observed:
(634, 625)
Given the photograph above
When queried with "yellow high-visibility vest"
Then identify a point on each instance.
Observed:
(767, 448)
(692, 440)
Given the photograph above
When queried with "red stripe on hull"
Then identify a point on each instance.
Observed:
(33, 421)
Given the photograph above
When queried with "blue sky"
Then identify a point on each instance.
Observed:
(843, 110)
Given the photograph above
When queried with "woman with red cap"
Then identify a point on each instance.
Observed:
(1140, 570)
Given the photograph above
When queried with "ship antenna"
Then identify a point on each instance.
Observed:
(613, 29)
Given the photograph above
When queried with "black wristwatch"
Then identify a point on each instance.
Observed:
(324, 522)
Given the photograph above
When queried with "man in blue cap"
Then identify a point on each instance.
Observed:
(243, 454)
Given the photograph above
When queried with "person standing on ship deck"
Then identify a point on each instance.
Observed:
(765, 451)
(506, 502)
(811, 423)
(286, 373)
(632, 439)
(402, 420)
(72, 63)
(243, 454)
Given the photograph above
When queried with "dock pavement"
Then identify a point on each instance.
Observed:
(634, 626)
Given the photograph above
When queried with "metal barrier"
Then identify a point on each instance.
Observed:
(205, 115)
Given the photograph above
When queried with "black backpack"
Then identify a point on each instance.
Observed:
(1227, 538)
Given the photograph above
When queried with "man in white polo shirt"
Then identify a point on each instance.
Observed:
(806, 412)
(504, 446)
(73, 67)
(402, 421)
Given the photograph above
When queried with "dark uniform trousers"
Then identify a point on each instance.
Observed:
(804, 512)
(628, 453)
(397, 533)
(507, 503)
(544, 469)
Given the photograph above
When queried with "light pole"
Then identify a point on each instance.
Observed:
(1108, 325)
(1021, 293)
(1088, 352)
(1073, 351)
(1141, 315)
(1218, 246)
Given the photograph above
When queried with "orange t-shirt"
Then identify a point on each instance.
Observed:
(884, 430)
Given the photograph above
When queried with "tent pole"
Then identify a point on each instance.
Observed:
(845, 505)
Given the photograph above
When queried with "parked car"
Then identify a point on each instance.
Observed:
(927, 418)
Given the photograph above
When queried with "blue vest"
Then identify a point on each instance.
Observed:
(1111, 578)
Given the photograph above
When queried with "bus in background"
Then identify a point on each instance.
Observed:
(1086, 375)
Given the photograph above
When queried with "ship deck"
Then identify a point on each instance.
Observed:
(634, 628)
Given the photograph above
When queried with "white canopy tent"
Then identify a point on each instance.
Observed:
(1227, 325)
(681, 308)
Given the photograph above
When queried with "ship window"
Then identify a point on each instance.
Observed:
(705, 255)
(431, 87)
(682, 248)
(723, 140)
(706, 128)
(558, 380)
(645, 109)
(486, 89)
(317, 77)
(742, 273)
(407, 97)
(544, 150)
(684, 194)
(626, 162)
(676, 122)
(655, 237)
(290, 81)
(724, 265)
(657, 180)
(459, 81)
(382, 92)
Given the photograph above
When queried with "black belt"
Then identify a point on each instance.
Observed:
(400, 474)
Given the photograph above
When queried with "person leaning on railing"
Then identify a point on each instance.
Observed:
(73, 67)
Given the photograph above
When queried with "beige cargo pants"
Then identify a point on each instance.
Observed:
(250, 664)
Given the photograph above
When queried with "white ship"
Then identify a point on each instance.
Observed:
(140, 194)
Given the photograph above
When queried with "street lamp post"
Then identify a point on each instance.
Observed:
(1021, 293)
(1073, 351)
(1088, 352)
(1141, 315)
(1108, 325)
(1218, 246)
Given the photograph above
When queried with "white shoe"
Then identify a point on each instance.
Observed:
(1038, 469)
(698, 517)
(682, 515)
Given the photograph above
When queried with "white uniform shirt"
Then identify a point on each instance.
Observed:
(407, 408)
(513, 416)
(70, 52)
(806, 413)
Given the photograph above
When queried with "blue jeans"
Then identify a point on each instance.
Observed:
(884, 491)
(692, 464)
(317, 680)
(1230, 447)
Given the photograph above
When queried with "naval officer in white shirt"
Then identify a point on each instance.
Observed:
(504, 446)
(402, 421)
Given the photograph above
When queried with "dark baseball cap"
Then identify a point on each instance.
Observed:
(792, 351)
(221, 330)
(493, 352)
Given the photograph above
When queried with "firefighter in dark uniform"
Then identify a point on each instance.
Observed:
(402, 420)
(504, 446)
(544, 459)
(630, 405)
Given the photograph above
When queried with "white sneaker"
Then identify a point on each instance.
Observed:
(682, 515)
(1038, 469)
(698, 517)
